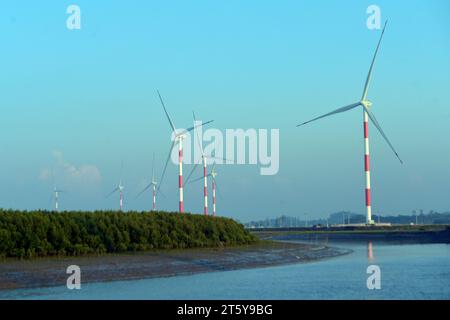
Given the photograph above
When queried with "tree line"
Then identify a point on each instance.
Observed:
(26, 234)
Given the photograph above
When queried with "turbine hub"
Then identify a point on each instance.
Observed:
(180, 136)
(366, 103)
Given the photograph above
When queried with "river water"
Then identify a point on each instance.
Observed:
(412, 271)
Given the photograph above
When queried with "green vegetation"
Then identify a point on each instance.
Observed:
(26, 234)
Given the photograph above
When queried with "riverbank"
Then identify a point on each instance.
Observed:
(395, 234)
(44, 272)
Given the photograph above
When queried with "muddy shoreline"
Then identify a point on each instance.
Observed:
(45, 272)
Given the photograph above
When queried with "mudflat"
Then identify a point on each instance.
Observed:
(43, 272)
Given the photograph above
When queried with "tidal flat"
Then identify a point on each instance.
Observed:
(47, 272)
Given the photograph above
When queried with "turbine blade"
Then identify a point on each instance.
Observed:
(377, 125)
(121, 173)
(197, 126)
(159, 192)
(153, 167)
(143, 190)
(165, 166)
(198, 179)
(198, 136)
(190, 173)
(53, 177)
(51, 199)
(112, 192)
(218, 190)
(167, 114)
(219, 158)
(366, 85)
(343, 109)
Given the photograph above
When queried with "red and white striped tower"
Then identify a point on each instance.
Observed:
(56, 201)
(213, 176)
(205, 186)
(214, 197)
(121, 200)
(367, 167)
(180, 175)
(154, 197)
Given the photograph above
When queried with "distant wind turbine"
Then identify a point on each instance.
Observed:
(205, 174)
(366, 105)
(55, 197)
(56, 192)
(152, 185)
(213, 176)
(179, 136)
(120, 187)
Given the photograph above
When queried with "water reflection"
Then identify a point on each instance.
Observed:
(370, 251)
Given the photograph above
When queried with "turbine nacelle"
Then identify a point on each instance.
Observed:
(366, 103)
(57, 191)
(180, 136)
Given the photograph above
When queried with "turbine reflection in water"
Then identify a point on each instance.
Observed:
(370, 256)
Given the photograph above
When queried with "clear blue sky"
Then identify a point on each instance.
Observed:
(82, 101)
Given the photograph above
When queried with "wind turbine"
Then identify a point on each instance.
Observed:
(55, 194)
(55, 197)
(214, 183)
(366, 106)
(152, 185)
(179, 135)
(120, 187)
(213, 176)
(204, 162)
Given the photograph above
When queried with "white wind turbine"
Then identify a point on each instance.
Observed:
(179, 135)
(120, 187)
(366, 106)
(55, 197)
(55, 193)
(152, 185)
